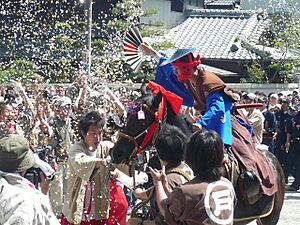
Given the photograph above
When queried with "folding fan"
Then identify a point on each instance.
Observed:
(132, 50)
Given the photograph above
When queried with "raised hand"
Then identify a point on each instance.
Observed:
(147, 49)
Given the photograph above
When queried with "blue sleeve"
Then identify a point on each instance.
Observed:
(215, 111)
(218, 116)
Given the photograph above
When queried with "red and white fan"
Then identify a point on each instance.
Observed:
(132, 49)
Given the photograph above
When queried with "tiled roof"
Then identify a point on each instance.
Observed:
(220, 3)
(217, 33)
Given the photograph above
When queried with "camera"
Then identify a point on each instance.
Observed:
(43, 158)
(10, 96)
(45, 154)
(46, 94)
(33, 175)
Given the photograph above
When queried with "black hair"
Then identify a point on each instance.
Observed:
(205, 154)
(185, 59)
(3, 104)
(269, 95)
(89, 119)
(170, 144)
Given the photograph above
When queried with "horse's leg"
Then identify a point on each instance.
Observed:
(273, 218)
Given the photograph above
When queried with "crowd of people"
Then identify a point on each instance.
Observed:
(74, 127)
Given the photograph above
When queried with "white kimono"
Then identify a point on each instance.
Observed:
(21, 203)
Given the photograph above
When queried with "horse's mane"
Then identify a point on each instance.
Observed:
(145, 98)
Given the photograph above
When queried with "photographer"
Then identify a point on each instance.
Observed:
(13, 120)
(20, 202)
(63, 133)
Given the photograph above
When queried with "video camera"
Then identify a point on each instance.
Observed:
(45, 154)
(43, 159)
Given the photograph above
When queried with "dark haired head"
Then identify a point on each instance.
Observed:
(170, 143)
(90, 118)
(186, 59)
(204, 153)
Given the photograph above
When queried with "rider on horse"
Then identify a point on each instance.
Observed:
(216, 103)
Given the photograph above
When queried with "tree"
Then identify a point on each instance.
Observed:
(44, 41)
(41, 41)
(108, 60)
(282, 35)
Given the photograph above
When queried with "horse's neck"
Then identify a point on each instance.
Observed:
(179, 121)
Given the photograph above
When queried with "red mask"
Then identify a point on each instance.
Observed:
(186, 68)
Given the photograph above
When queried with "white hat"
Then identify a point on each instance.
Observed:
(251, 96)
(62, 101)
(274, 96)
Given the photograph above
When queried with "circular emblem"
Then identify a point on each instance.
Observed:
(218, 202)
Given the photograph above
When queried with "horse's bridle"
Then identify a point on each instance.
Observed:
(150, 132)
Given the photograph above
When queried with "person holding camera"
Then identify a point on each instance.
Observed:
(170, 146)
(21, 202)
(41, 132)
(63, 132)
(13, 121)
(209, 198)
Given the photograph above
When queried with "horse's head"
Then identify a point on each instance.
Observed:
(140, 128)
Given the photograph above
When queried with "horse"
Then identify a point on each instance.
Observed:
(144, 121)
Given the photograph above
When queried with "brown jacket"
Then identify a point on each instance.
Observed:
(176, 176)
(207, 82)
(198, 202)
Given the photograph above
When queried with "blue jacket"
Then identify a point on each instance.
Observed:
(218, 115)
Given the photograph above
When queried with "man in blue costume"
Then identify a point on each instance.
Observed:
(180, 75)
(215, 103)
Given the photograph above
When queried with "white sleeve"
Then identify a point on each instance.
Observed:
(157, 57)
(20, 205)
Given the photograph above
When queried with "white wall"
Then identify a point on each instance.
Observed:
(266, 88)
(165, 15)
(249, 87)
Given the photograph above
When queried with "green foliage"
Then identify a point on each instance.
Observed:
(150, 11)
(19, 70)
(258, 74)
(164, 45)
(41, 41)
(152, 32)
(44, 41)
(155, 24)
(283, 34)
